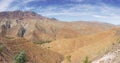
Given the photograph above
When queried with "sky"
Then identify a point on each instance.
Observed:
(69, 10)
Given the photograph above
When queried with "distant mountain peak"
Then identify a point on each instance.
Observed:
(19, 14)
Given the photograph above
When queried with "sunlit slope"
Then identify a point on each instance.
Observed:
(89, 45)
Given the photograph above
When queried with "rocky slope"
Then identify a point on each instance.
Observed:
(35, 54)
(112, 56)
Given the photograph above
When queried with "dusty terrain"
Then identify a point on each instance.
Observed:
(34, 53)
(48, 40)
(92, 46)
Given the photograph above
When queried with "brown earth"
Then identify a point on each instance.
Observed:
(91, 46)
(34, 53)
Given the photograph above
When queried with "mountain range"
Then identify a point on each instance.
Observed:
(49, 40)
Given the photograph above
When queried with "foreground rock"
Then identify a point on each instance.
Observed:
(111, 57)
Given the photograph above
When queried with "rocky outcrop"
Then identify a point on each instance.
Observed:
(7, 24)
(21, 31)
(3, 30)
(111, 57)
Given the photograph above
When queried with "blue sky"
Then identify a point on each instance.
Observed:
(69, 10)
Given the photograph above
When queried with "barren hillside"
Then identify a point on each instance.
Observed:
(35, 54)
(92, 46)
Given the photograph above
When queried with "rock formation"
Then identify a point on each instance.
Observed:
(3, 30)
(21, 31)
(7, 24)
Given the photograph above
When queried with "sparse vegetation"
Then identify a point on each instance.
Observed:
(48, 47)
(86, 60)
(1, 48)
(113, 44)
(43, 42)
(20, 58)
(118, 40)
(68, 58)
(8, 37)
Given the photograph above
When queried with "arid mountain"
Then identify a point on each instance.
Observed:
(39, 28)
(48, 40)
(19, 15)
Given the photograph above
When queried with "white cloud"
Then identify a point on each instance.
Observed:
(27, 1)
(99, 16)
(88, 12)
(77, 0)
(4, 4)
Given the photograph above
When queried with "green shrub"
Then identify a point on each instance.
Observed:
(86, 60)
(21, 57)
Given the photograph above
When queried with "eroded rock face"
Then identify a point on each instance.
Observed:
(3, 30)
(7, 24)
(21, 32)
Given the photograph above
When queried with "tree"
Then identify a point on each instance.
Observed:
(21, 57)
